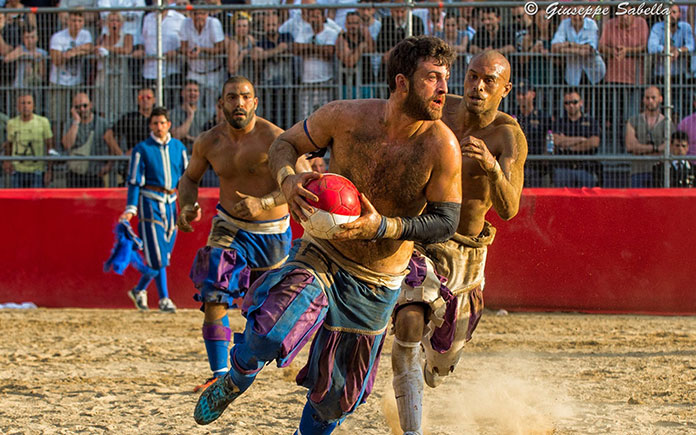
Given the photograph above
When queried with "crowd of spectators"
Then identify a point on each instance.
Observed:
(88, 78)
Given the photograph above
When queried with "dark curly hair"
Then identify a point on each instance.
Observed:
(407, 54)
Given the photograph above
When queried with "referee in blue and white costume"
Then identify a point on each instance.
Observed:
(156, 165)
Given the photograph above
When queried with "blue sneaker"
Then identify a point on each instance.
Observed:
(215, 399)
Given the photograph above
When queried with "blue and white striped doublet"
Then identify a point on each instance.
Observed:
(155, 170)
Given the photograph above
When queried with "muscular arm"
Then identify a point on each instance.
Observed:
(285, 150)
(506, 180)
(188, 184)
(189, 211)
(445, 184)
(188, 190)
(293, 143)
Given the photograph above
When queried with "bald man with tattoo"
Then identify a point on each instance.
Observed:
(440, 317)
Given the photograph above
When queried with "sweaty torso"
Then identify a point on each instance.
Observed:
(476, 195)
(241, 163)
(392, 173)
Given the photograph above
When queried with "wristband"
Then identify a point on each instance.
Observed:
(389, 228)
(497, 171)
(381, 229)
(394, 229)
(283, 173)
(271, 200)
(267, 203)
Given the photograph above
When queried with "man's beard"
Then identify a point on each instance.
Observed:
(237, 122)
(416, 108)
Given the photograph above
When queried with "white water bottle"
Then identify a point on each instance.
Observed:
(549, 142)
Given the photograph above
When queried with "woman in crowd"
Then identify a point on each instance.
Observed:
(240, 46)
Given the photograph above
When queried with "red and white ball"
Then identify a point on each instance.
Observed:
(339, 203)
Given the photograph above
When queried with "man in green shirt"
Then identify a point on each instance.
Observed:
(28, 135)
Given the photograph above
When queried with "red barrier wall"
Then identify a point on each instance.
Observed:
(595, 250)
(591, 250)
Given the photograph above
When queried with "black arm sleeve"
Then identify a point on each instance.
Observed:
(437, 224)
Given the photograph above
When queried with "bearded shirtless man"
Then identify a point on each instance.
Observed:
(441, 317)
(251, 231)
(408, 163)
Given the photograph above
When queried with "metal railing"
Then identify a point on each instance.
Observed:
(288, 100)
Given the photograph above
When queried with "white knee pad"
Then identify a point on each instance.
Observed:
(408, 385)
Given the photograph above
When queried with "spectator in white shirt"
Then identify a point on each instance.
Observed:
(171, 66)
(202, 44)
(577, 38)
(68, 48)
(315, 43)
(91, 18)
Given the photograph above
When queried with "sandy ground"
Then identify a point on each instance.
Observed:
(103, 371)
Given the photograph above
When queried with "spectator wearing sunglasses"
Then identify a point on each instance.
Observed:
(577, 133)
(85, 137)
